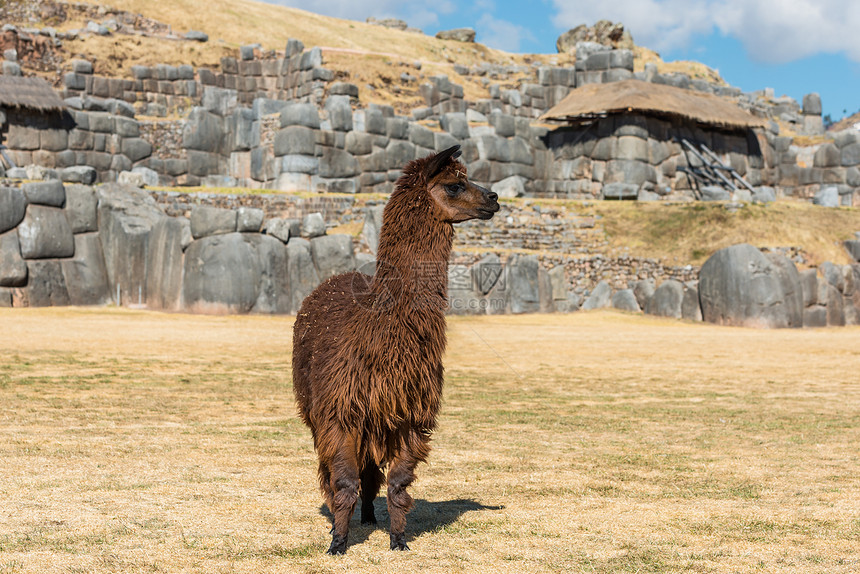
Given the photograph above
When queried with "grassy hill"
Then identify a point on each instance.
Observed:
(370, 56)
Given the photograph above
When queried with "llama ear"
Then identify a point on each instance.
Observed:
(438, 162)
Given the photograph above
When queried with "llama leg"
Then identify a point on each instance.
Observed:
(371, 480)
(344, 484)
(325, 487)
(400, 476)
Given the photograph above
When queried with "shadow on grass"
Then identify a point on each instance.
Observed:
(426, 516)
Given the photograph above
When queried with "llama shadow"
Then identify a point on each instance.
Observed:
(426, 516)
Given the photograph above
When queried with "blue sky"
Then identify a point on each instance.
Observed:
(792, 46)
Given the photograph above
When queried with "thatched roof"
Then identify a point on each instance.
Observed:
(598, 100)
(31, 93)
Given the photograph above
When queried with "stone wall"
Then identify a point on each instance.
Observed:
(265, 121)
(78, 245)
(634, 157)
(164, 89)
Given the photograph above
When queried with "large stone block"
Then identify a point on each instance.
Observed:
(295, 140)
(691, 309)
(513, 186)
(396, 128)
(809, 287)
(851, 155)
(644, 290)
(126, 127)
(372, 226)
(240, 130)
(421, 136)
(835, 307)
(13, 269)
(504, 125)
(274, 293)
(219, 100)
(206, 221)
(853, 248)
(332, 255)
(126, 217)
(101, 122)
(85, 274)
(667, 300)
(49, 192)
(740, 286)
(488, 272)
(599, 298)
(629, 171)
(13, 206)
(282, 228)
(827, 155)
(455, 123)
(633, 148)
(339, 113)
(313, 225)
(301, 271)
(45, 233)
(295, 163)
(136, 149)
(399, 153)
(494, 148)
(521, 152)
(812, 104)
(203, 131)
(815, 316)
(249, 219)
(82, 174)
(625, 300)
(54, 139)
(222, 274)
(374, 120)
(21, 137)
(46, 285)
(361, 143)
(165, 263)
(82, 208)
(337, 163)
(201, 163)
(522, 283)
(295, 114)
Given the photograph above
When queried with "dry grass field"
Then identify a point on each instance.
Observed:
(134, 441)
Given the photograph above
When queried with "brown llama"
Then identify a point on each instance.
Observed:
(367, 351)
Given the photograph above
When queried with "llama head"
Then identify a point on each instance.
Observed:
(454, 198)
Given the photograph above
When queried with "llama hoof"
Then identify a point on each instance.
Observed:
(338, 546)
(398, 543)
(368, 520)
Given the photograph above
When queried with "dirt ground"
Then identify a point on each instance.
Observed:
(133, 441)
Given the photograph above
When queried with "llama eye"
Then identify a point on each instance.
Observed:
(454, 188)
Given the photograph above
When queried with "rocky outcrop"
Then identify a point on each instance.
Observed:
(741, 286)
(457, 34)
(603, 32)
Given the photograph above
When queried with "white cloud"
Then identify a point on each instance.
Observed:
(774, 31)
(501, 34)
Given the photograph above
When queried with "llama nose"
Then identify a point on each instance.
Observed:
(493, 196)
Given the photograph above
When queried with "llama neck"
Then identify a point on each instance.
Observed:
(412, 257)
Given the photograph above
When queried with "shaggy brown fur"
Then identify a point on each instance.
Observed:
(367, 351)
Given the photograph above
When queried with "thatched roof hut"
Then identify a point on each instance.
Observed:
(33, 94)
(633, 96)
